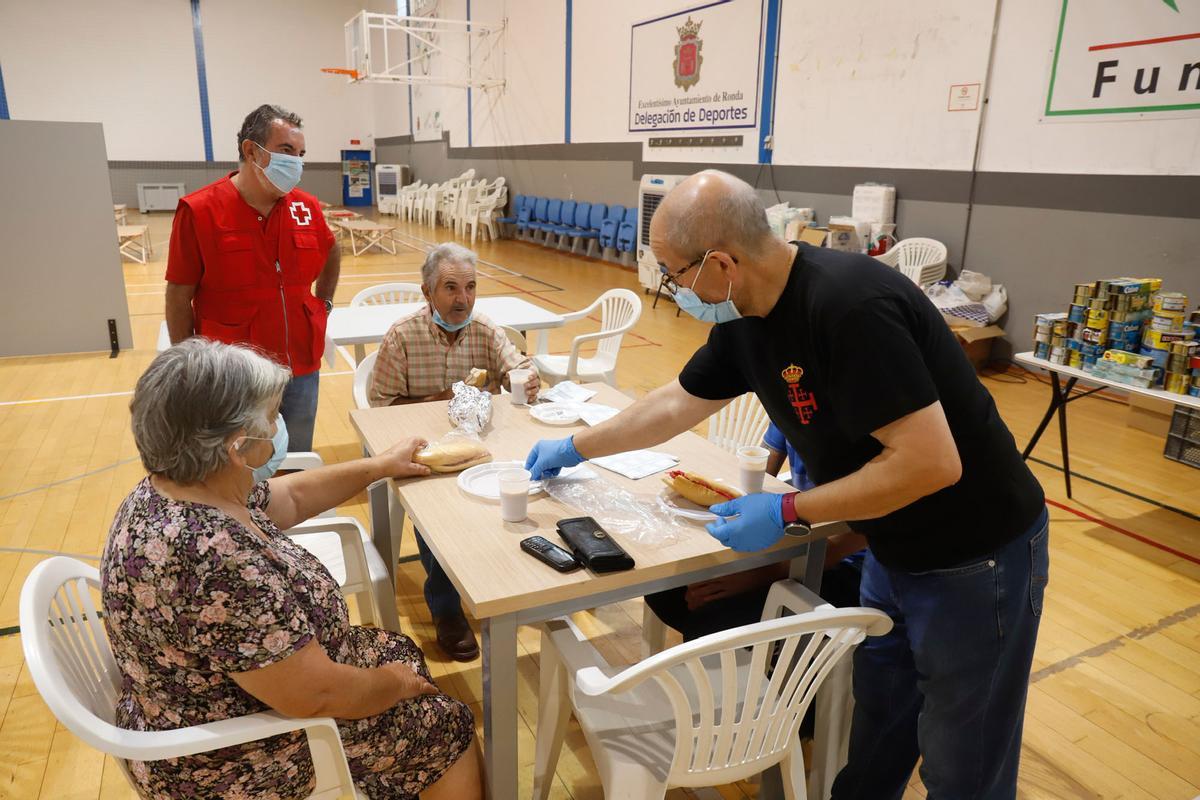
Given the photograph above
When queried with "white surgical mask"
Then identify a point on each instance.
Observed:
(283, 170)
(689, 301)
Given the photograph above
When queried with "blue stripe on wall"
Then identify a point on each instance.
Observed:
(567, 95)
(202, 77)
(408, 55)
(470, 69)
(3, 98)
(766, 120)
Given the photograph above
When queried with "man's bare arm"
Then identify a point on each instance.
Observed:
(180, 322)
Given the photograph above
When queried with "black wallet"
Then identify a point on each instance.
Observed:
(592, 545)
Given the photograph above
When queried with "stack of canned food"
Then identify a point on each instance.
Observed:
(1125, 329)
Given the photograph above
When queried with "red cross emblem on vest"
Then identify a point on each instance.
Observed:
(802, 401)
(300, 212)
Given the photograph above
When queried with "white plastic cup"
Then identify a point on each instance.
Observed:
(516, 386)
(752, 466)
(514, 494)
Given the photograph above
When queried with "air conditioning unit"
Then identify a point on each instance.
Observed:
(651, 191)
(388, 180)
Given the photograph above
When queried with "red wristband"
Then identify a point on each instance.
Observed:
(789, 508)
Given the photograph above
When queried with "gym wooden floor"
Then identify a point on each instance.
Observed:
(1114, 706)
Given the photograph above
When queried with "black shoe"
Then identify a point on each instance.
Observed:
(455, 637)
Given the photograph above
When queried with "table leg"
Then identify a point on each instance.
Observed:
(360, 352)
(381, 524)
(500, 706)
(1062, 428)
(1037, 434)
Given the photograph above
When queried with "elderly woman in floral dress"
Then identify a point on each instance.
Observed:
(213, 613)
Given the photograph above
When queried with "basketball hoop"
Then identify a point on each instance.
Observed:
(352, 73)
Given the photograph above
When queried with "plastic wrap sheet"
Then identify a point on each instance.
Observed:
(637, 517)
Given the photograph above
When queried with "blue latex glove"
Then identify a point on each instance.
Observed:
(756, 524)
(550, 455)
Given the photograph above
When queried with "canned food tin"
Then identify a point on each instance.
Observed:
(1170, 301)
(1177, 382)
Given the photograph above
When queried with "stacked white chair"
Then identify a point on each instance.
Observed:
(923, 261)
(704, 713)
(71, 662)
(486, 208)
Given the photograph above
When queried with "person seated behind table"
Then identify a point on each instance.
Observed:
(738, 599)
(212, 613)
(420, 358)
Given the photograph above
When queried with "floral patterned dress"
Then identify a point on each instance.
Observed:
(190, 596)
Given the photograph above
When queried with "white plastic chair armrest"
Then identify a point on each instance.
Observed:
(348, 529)
(793, 596)
(302, 460)
(155, 745)
(575, 316)
(579, 341)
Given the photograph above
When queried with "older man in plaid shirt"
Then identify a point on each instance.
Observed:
(420, 358)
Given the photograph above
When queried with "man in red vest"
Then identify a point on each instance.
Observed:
(245, 252)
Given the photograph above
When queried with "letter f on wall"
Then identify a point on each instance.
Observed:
(1102, 78)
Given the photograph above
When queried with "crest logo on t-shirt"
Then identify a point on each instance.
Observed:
(300, 212)
(802, 402)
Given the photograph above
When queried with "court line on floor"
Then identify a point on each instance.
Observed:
(501, 267)
(1181, 512)
(1112, 644)
(37, 551)
(52, 484)
(60, 399)
(1125, 532)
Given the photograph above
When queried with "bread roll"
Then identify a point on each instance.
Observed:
(698, 489)
(453, 456)
(477, 378)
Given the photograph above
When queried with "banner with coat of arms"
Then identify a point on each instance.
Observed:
(697, 69)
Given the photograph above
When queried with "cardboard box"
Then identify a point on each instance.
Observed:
(1150, 414)
(794, 229)
(813, 236)
(844, 237)
(977, 342)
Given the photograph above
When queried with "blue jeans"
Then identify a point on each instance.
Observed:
(949, 681)
(440, 594)
(299, 410)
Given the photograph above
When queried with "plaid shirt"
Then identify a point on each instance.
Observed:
(416, 358)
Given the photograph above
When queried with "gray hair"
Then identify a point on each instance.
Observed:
(446, 251)
(193, 397)
(257, 125)
(735, 216)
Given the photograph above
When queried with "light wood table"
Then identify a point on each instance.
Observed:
(134, 242)
(503, 587)
(365, 234)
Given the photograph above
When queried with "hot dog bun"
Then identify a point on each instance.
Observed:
(477, 378)
(698, 489)
(453, 456)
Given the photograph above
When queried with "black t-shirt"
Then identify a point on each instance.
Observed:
(850, 347)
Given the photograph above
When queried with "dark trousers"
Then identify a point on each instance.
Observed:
(440, 594)
(949, 682)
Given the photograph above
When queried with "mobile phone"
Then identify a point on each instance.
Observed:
(549, 553)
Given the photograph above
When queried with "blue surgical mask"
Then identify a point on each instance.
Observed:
(283, 171)
(280, 442)
(689, 301)
(446, 326)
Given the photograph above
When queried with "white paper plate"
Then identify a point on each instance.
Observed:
(555, 413)
(483, 480)
(676, 505)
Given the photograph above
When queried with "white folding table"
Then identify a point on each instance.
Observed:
(361, 325)
(134, 242)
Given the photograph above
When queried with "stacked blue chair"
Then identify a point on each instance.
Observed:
(525, 217)
(540, 208)
(566, 221)
(569, 229)
(552, 219)
(627, 231)
(589, 230)
(608, 228)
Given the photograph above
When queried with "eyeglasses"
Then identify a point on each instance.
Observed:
(670, 280)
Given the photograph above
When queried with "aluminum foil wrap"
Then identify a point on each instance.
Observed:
(470, 409)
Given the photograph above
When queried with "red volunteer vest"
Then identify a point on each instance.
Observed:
(257, 283)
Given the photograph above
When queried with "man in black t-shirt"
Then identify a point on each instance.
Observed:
(859, 371)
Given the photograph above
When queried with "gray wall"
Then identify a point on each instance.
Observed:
(62, 272)
(322, 178)
(1038, 234)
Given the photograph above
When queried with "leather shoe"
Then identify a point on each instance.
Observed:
(455, 637)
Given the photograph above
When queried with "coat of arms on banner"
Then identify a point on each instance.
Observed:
(687, 55)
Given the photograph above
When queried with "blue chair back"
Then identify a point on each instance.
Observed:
(616, 213)
(608, 233)
(539, 209)
(596, 218)
(554, 212)
(567, 216)
(582, 212)
(631, 215)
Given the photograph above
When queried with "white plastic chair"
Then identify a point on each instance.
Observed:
(664, 722)
(619, 312)
(739, 424)
(385, 293)
(923, 261)
(69, 658)
(362, 380)
(346, 550)
(485, 209)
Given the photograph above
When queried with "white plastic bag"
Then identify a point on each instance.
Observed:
(974, 285)
(996, 302)
(618, 510)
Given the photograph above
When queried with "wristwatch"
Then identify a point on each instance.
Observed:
(792, 524)
(328, 305)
